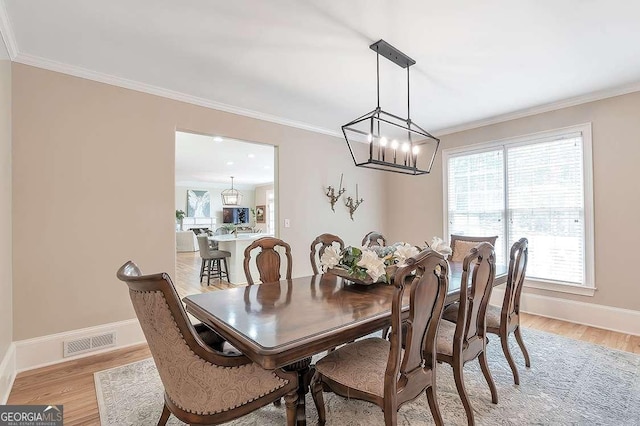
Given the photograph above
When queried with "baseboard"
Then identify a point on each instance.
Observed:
(48, 350)
(607, 317)
(7, 373)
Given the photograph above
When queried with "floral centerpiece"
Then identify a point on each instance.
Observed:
(438, 245)
(367, 265)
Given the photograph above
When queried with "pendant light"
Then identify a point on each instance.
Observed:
(395, 144)
(231, 197)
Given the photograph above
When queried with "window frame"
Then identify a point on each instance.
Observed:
(589, 287)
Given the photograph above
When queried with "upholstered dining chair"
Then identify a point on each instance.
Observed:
(267, 260)
(212, 260)
(466, 340)
(324, 241)
(506, 319)
(461, 245)
(201, 384)
(374, 238)
(378, 370)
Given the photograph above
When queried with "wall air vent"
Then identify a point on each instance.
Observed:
(89, 344)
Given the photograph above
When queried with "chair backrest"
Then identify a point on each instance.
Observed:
(374, 238)
(268, 260)
(428, 290)
(326, 240)
(517, 270)
(480, 267)
(461, 245)
(203, 245)
(173, 342)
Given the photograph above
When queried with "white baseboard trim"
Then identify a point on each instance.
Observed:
(7, 373)
(607, 317)
(48, 350)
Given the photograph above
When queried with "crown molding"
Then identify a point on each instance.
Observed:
(539, 109)
(73, 70)
(6, 30)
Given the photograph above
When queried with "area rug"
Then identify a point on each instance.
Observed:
(569, 382)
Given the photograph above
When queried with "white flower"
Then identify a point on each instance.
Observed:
(440, 246)
(330, 257)
(404, 252)
(373, 264)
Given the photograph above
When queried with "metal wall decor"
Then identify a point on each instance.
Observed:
(331, 193)
(395, 144)
(231, 197)
(352, 204)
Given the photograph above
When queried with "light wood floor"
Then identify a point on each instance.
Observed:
(72, 384)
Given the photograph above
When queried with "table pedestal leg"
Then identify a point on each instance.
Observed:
(305, 373)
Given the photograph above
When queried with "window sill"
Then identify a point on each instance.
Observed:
(560, 288)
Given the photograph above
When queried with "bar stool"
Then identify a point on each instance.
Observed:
(212, 261)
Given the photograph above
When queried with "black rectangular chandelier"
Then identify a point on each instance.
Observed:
(395, 144)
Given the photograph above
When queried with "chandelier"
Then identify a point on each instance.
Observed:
(231, 197)
(395, 144)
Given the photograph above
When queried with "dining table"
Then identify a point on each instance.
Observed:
(283, 324)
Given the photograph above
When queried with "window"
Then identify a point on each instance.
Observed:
(538, 187)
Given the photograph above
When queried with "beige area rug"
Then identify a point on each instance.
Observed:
(570, 382)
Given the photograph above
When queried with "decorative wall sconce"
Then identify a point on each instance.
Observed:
(331, 193)
(353, 205)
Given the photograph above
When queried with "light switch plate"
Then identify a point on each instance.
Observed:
(287, 223)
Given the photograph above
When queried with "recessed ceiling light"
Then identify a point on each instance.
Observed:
(229, 163)
(251, 156)
(217, 139)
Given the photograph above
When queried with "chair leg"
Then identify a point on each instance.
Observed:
(433, 404)
(291, 403)
(504, 340)
(527, 362)
(209, 271)
(462, 392)
(202, 269)
(165, 416)
(390, 413)
(385, 332)
(484, 366)
(318, 398)
(226, 270)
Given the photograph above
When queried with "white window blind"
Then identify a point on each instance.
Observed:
(533, 188)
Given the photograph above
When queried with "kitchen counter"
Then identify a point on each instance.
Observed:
(236, 246)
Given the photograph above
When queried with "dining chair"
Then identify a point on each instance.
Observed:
(465, 340)
(378, 370)
(461, 245)
(201, 384)
(267, 260)
(212, 260)
(506, 319)
(374, 238)
(324, 240)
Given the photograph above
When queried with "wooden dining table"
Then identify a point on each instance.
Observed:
(283, 324)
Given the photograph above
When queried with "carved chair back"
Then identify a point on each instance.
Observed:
(267, 260)
(518, 260)
(374, 238)
(465, 244)
(428, 289)
(324, 240)
(480, 267)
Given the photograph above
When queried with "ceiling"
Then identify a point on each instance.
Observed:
(207, 160)
(307, 63)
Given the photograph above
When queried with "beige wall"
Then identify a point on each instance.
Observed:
(616, 151)
(93, 168)
(6, 315)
